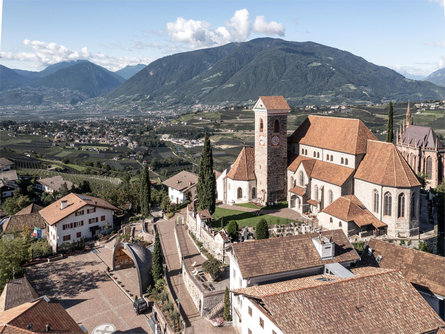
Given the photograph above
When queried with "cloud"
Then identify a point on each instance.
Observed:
(45, 54)
(268, 28)
(237, 29)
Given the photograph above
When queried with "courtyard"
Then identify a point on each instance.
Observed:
(80, 283)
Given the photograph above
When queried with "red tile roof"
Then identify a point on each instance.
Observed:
(333, 133)
(277, 255)
(308, 164)
(53, 214)
(384, 165)
(420, 268)
(244, 167)
(380, 303)
(275, 102)
(349, 208)
(298, 190)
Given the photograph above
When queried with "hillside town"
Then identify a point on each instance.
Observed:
(324, 217)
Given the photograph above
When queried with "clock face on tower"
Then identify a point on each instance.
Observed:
(261, 140)
(275, 140)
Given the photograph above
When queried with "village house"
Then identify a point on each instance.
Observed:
(75, 217)
(5, 164)
(53, 184)
(181, 187)
(370, 300)
(27, 218)
(15, 293)
(424, 270)
(8, 183)
(279, 259)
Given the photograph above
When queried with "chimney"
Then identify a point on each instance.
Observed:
(47, 328)
(63, 204)
(324, 246)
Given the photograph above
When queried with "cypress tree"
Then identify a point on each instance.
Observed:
(227, 316)
(262, 229)
(206, 187)
(390, 129)
(144, 199)
(157, 270)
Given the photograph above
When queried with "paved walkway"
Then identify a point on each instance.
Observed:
(195, 323)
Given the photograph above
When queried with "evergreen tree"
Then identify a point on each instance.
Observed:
(232, 230)
(227, 315)
(157, 270)
(262, 229)
(390, 129)
(206, 187)
(144, 199)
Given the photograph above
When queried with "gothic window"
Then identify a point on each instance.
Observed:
(239, 193)
(253, 193)
(342, 161)
(376, 201)
(316, 193)
(429, 168)
(331, 196)
(331, 220)
(276, 126)
(339, 223)
(261, 125)
(387, 204)
(318, 154)
(332, 157)
(413, 206)
(301, 178)
(346, 161)
(315, 154)
(401, 206)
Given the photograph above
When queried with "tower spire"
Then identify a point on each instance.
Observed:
(409, 117)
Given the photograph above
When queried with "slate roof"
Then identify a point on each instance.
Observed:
(420, 136)
(274, 102)
(277, 255)
(420, 268)
(244, 167)
(55, 183)
(380, 303)
(182, 181)
(38, 313)
(53, 214)
(383, 164)
(349, 208)
(15, 293)
(333, 133)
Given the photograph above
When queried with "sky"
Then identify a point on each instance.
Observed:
(405, 35)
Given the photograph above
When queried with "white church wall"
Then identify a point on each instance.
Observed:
(246, 189)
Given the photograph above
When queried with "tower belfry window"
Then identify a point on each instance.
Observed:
(261, 125)
(276, 126)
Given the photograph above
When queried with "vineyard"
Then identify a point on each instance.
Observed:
(99, 184)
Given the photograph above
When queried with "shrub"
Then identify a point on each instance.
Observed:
(213, 267)
(232, 230)
(262, 229)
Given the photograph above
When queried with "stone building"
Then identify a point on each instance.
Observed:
(422, 149)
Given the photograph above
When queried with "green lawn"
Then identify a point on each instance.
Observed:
(249, 205)
(244, 218)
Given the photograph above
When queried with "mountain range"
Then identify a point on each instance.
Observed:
(437, 77)
(237, 73)
(65, 82)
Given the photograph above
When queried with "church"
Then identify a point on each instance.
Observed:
(422, 149)
(332, 167)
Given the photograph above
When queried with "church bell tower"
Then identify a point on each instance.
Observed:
(271, 148)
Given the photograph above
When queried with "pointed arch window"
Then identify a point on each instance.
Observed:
(401, 206)
(239, 193)
(276, 126)
(261, 125)
(253, 193)
(330, 196)
(429, 168)
(413, 206)
(375, 201)
(387, 206)
(301, 177)
(316, 193)
(346, 161)
(342, 161)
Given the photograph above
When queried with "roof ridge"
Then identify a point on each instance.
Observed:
(341, 279)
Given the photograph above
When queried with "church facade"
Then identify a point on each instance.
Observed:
(331, 167)
(422, 149)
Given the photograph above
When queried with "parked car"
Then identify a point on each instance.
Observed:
(140, 305)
